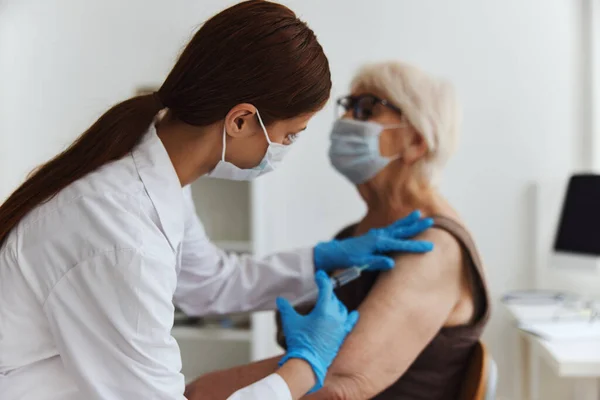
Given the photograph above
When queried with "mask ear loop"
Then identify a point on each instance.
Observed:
(224, 143)
(264, 128)
(262, 125)
(394, 126)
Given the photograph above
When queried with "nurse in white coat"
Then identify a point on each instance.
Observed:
(97, 245)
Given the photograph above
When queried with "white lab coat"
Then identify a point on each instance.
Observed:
(88, 280)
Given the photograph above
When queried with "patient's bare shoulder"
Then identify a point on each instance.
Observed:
(438, 273)
(446, 258)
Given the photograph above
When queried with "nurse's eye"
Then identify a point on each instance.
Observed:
(291, 138)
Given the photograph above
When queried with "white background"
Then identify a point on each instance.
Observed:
(517, 64)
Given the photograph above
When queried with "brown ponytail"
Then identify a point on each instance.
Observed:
(254, 52)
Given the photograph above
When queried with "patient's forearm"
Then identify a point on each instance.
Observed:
(219, 385)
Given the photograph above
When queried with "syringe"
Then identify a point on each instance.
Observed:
(338, 280)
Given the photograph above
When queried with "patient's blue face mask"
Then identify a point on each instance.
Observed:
(354, 150)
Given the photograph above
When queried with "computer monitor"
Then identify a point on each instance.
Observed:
(560, 261)
(579, 224)
(577, 240)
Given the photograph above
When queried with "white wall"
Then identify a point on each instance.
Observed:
(592, 40)
(514, 62)
(63, 62)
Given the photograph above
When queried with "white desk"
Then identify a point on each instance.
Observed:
(571, 359)
(568, 358)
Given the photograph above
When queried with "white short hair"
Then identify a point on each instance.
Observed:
(428, 103)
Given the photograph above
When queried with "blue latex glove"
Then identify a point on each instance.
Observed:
(371, 247)
(318, 336)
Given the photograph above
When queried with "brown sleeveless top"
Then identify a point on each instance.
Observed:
(438, 372)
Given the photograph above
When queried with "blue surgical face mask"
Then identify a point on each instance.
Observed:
(354, 150)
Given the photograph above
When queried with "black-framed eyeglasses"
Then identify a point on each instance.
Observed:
(362, 105)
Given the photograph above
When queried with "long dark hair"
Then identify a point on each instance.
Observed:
(255, 52)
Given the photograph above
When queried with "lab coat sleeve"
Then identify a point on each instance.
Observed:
(111, 319)
(273, 387)
(212, 281)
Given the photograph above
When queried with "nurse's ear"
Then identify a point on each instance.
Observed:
(240, 121)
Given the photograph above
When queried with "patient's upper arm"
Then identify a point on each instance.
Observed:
(402, 313)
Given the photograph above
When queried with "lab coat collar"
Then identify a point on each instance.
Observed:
(162, 185)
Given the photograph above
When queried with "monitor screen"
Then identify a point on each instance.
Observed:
(579, 224)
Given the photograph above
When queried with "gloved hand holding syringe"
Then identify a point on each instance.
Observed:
(338, 280)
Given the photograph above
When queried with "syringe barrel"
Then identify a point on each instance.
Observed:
(338, 280)
(348, 275)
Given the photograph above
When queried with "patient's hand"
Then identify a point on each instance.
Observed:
(403, 312)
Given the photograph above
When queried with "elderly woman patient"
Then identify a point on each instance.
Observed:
(420, 321)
